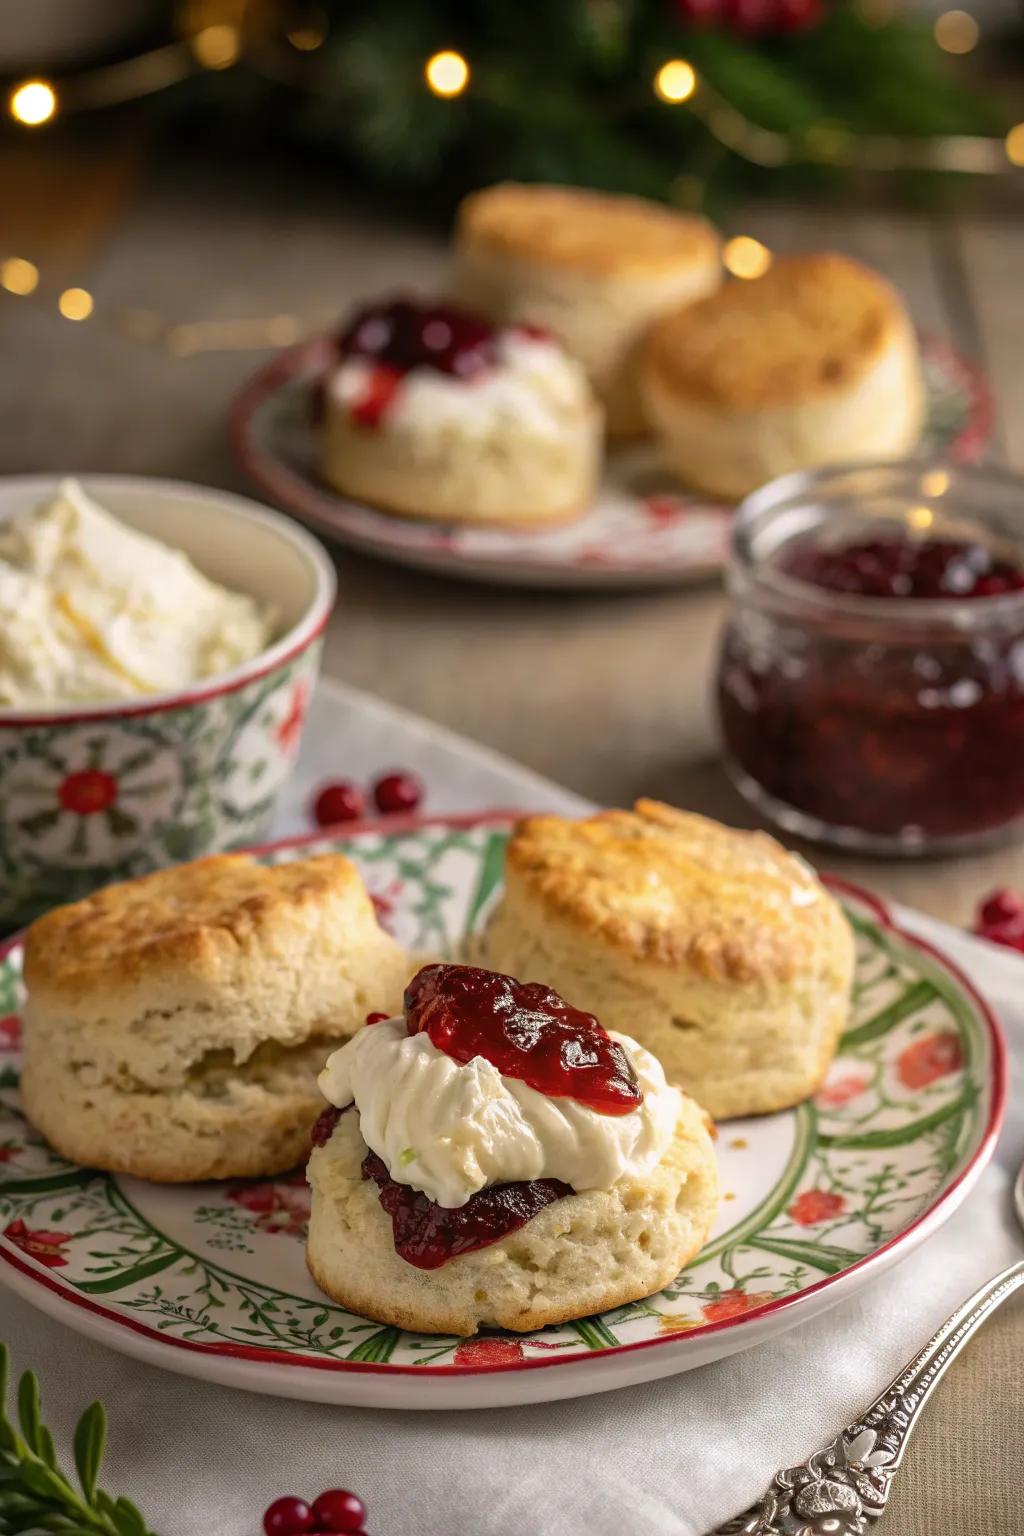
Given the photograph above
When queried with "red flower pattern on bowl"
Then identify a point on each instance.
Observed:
(928, 1059)
(841, 1091)
(733, 1304)
(290, 727)
(46, 1247)
(815, 1205)
(488, 1351)
(282, 1206)
(87, 791)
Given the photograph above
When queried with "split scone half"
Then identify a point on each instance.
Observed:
(592, 267)
(450, 1195)
(814, 363)
(718, 949)
(175, 1024)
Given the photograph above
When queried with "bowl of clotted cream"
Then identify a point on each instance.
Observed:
(159, 643)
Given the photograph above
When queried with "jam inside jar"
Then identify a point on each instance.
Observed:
(871, 676)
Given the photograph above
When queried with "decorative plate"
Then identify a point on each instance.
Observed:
(641, 531)
(210, 1279)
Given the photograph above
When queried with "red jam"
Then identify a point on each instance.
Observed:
(428, 1235)
(404, 335)
(526, 1031)
(323, 1126)
(896, 731)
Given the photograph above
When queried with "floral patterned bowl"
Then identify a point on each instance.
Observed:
(103, 792)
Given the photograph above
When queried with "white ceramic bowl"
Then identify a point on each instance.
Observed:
(95, 793)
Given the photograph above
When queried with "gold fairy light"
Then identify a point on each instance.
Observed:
(218, 46)
(18, 275)
(32, 103)
(75, 304)
(446, 73)
(744, 256)
(675, 81)
(1014, 144)
(310, 33)
(956, 31)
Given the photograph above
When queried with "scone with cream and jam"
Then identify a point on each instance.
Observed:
(717, 949)
(594, 268)
(176, 1024)
(494, 1158)
(814, 363)
(433, 412)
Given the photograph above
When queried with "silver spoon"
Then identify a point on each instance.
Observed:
(840, 1488)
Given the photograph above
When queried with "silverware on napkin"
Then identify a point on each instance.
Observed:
(846, 1484)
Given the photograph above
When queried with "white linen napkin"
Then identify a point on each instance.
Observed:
(671, 1459)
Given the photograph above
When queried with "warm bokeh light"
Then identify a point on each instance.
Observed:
(920, 518)
(935, 482)
(217, 47)
(447, 73)
(1015, 145)
(33, 102)
(308, 38)
(18, 275)
(956, 31)
(744, 256)
(75, 304)
(675, 81)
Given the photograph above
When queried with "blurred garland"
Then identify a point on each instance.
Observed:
(569, 90)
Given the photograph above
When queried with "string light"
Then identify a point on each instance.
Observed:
(33, 102)
(744, 256)
(18, 275)
(956, 31)
(75, 304)
(675, 81)
(1015, 145)
(935, 482)
(217, 47)
(447, 73)
(311, 32)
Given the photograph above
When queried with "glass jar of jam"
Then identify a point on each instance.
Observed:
(871, 676)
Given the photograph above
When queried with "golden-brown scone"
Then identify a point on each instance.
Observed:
(814, 363)
(715, 949)
(579, 1255)
(593, 268)
(175, 1024)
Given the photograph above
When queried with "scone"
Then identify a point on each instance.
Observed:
(595, 269)
(432, 412)
(814, 363)
(175, 1024)
(718, 950)
(496, 1159)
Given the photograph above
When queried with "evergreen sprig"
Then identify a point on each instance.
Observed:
(35, 1495)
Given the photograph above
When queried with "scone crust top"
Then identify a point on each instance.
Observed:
(670, 888)
(201, 920)
(594, 232)
(812, 325)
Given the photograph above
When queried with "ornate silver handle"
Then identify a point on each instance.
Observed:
(840, 1488)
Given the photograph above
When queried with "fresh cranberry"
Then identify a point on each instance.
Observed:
(1002, 906)
(404, 334)
(377, 1018)
(797, 15)
(323, 1127)
(338, 801)
(288, 1517)
(397, 792)
(526, 1031)
(339, 1510)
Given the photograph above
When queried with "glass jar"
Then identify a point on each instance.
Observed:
(887, 724)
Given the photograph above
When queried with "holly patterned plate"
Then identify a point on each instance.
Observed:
(210, 1279)
(641, 531)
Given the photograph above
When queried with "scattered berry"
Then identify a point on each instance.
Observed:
(1000, 919)
(397, 792)
(338, 1510)
(376, 1018)
(338, 801)
(288, 1517)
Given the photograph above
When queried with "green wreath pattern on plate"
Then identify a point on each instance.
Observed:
(223, 1264)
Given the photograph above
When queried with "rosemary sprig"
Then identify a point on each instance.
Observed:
(35, 1495)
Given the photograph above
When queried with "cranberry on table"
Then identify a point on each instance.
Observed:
(288, 1516)
(338, 801)
(337, 1510)
(397, 792)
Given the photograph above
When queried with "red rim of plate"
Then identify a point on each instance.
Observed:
(949, 1197)
(286, 487)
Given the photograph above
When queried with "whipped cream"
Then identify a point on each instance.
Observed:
(450, 1129)
(92, 610)
(533, 385)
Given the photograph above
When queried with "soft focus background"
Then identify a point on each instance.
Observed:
(186, 188)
